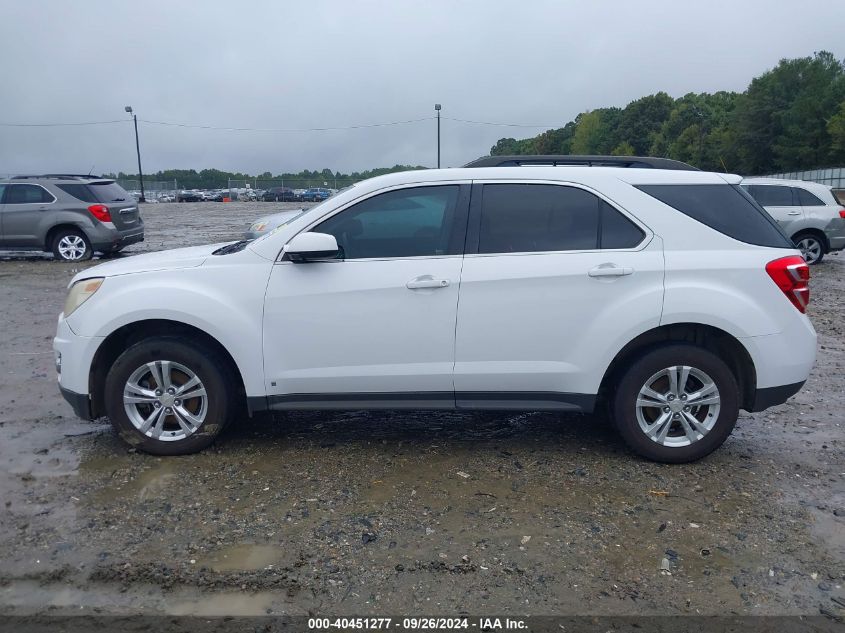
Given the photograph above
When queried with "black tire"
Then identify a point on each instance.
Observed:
(624, 404)
(821, 247)
(60, 239)
(212, 370)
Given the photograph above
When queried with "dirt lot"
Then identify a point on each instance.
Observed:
(434, 513)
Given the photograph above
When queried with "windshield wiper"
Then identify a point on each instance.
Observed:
(234, 247)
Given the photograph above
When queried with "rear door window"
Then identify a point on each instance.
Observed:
(525, 218)
(27, 194)
(724, 208)
(772, 195)
(616, 230)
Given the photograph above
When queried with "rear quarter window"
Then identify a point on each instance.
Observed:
(80, 192)
(807, 199)
(724, 208)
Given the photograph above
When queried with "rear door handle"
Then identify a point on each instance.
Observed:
(794, 213)
(426, 281)
(610, 270)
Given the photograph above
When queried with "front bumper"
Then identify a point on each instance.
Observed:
(74, 356)
(79, 402)
(772, 396)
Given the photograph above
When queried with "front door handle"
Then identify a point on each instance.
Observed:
(610, 270)
(426, 281)
(794, 213)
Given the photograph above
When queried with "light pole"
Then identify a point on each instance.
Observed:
(437, 109)
(137, 149)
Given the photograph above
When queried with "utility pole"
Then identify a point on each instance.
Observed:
(437, 109)
(138, 150)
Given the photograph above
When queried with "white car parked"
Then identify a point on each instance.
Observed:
(669, 296)
(808, 212)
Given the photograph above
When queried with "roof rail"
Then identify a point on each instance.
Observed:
(61, 176)
(559, 160)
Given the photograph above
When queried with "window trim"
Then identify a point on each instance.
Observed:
(31, 184)
(460, 220)
(474, 228)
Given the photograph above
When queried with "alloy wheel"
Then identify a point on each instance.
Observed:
(165, 400)
(72, 247)
(678, 406)
(811, 249)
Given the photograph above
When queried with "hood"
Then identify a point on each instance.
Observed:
(174, 259)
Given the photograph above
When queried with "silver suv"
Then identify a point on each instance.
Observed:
(808, 212)
(69, 215)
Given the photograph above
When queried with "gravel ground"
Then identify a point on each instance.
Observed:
(435, 513)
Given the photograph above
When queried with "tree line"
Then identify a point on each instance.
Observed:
(790, 118)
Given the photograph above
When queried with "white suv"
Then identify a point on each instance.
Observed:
(808, 212)
(669, 296)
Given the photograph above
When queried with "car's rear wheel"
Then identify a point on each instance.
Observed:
(676, 404)
(71, 245)
(168, 396)
(812, 247)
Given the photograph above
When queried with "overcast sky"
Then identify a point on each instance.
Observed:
(316, 64)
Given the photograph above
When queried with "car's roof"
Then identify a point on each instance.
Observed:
(570, 160)
(77, 178)
(783, 181)
(559, 173)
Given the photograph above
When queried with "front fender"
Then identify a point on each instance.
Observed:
(225, 302)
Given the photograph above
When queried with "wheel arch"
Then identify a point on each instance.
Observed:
(724, 345)
(814, 232)
(50, 235)
(125, 336)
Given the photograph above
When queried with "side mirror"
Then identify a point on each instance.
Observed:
(311, 246)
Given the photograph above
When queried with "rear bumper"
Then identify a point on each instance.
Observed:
(115, 240)
(772, 396)
(835, 232)
(79, 402)
(836, 243)
(106, 239)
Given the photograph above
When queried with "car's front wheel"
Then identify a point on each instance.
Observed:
(71, 245)
(676, 404)
(168, 396)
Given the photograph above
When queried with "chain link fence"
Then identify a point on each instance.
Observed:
(158, 190)
(833, 176)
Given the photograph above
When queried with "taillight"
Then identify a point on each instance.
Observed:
(792, 276)
(100, 211)
(842, 213)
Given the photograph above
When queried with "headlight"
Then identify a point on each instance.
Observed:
(80, 292)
